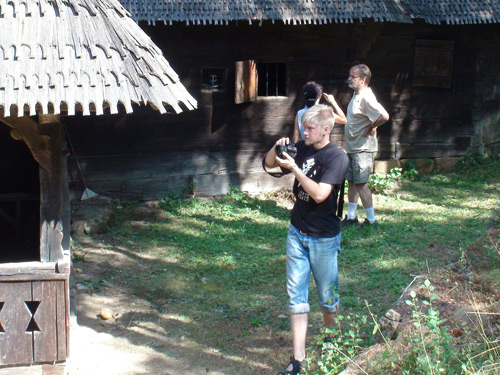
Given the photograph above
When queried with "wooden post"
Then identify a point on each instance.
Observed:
(51, 192)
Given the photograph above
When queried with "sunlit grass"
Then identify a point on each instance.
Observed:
(222, 261)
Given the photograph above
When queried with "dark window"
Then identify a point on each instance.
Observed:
(272, 79)
(214, 79)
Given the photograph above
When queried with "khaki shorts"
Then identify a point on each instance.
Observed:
(360, 167)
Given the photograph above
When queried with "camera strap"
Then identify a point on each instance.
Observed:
(274, 174)
(340, 204)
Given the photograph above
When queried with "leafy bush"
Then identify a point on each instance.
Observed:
(410, 174)
(380, 183)
(431, 346)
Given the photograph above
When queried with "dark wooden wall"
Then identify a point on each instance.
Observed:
(146, 155)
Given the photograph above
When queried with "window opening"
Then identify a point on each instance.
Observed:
(272, 79)
(213, 79)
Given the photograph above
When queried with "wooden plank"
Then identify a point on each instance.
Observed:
(66, 207)
(23, 370)
(62, 319)
(58, 369)
(26, 268)
(45, 340)
(209, 185)
(32, 276)
(246, 81)
(430, 150)
(15, 343)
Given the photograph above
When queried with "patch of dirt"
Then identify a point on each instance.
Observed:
(137, 338)
(283, 197)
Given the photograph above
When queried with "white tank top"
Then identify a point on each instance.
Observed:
(299, 120)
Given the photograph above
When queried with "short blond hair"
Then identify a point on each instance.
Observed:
(321, 115)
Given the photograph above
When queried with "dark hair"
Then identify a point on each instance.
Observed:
(312, 92)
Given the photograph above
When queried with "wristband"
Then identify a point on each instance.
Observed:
(293, 167)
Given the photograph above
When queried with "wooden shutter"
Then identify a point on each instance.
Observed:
(246, 81)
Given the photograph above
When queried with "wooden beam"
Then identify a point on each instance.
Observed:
(51, 196)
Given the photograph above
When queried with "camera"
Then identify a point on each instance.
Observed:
(290, 149)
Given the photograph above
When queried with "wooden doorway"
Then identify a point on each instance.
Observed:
(19, 201)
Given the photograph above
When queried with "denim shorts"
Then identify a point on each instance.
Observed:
(306, 254)
(360, 166)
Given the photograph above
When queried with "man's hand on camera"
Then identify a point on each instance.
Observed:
(283, 141)
(286, 162)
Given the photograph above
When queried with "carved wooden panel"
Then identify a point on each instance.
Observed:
(33, 322)
(15, 318)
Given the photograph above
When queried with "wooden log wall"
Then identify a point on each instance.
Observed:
(486, 94)
(145, 155)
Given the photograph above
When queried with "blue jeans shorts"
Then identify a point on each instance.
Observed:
(306, 254)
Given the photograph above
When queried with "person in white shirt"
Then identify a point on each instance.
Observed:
(364, 115)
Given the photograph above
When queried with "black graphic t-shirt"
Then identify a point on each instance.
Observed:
(327, 165)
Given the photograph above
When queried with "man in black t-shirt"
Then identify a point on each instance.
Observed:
(313, 240)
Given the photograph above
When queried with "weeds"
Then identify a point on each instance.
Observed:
(431, 346)
(381, 183)
(347, 338)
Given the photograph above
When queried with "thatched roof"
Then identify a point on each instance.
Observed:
(80, 55)
(454, 11)
(220, 12)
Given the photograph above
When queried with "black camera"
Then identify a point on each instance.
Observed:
(290, 149)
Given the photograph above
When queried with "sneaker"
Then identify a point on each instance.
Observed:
(296, 367)
(348, 222)
(367, 224)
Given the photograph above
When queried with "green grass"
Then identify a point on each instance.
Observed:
(221, 262)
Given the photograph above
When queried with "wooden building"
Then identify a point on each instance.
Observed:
(58, 59)
(434, 68)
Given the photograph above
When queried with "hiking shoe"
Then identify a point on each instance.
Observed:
(296, 367)
(348, 222)
(367, 224)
